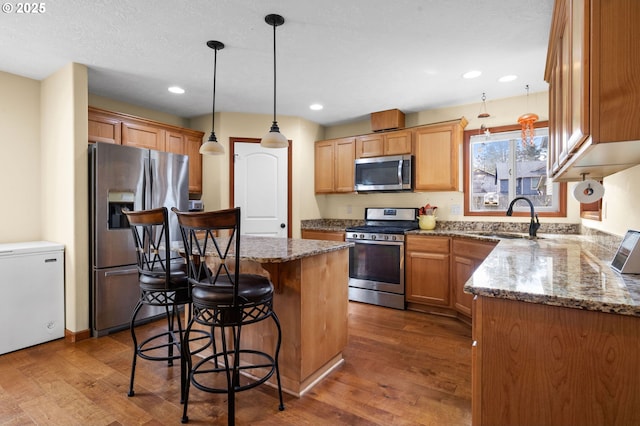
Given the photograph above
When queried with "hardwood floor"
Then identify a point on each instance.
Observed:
(401, 368)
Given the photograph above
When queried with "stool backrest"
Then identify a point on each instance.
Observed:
(212, 235)
(151, 237)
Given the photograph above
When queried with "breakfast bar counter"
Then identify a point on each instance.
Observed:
(311, 300)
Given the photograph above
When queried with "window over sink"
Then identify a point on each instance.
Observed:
(499, 166)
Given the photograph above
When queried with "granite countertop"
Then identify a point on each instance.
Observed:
(279, 250)
(560, 270)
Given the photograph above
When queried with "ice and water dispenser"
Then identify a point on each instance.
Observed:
(118, 200)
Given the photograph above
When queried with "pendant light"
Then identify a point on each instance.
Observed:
(526, 122)
(274, 139)
(212, 146)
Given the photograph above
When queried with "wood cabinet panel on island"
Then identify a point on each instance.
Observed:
(119, 128)
(334, 166)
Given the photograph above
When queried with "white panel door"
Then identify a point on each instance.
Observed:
(260, 189)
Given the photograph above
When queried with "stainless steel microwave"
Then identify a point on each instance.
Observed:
(389, 173)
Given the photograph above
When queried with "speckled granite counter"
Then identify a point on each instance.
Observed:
(278, 250)
(558, 270)
(564, 268)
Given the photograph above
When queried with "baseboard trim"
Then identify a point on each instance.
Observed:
(76, 336)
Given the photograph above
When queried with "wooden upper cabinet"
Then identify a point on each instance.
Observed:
(397, 143)
(378, 144)
(334, 165)
(437, 156)
(324, 167)
(192, 149)
(142, 136)
(174, 142)
(593, 71)
(345, 165)
(125, 129)
(181, 142)
(369, 145)
(104, 128)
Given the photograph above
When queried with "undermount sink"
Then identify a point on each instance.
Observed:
(504, 235)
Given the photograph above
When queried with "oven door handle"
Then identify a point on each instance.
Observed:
(379, 242)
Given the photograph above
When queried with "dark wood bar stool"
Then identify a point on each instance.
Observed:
(163, 282)
(227, 300)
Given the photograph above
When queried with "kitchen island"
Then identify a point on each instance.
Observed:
(311, 300)
(556, 336)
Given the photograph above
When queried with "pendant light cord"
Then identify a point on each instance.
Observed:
(213, 108)
(274, 73)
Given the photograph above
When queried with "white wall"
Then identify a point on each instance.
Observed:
(64, 183)
(620, 204)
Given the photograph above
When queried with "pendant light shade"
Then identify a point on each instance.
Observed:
(274, 139)
(212, 146)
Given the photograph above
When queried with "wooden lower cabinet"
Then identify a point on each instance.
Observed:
(467, 256)
(436, 270)
(427, 270)
(536, 364)
(313, 234)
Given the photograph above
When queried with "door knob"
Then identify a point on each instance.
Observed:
(282, 225)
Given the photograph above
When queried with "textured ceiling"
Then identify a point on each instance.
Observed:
(352, 56)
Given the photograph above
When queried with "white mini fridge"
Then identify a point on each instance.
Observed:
(31, 294)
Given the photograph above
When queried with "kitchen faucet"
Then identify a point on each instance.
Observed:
(534, 225)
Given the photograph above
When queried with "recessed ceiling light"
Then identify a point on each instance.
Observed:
(507, 78)
(177, 90)
(316, 107)
(472, 74)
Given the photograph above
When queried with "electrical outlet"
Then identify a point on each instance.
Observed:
(455, 210)
(348, 208)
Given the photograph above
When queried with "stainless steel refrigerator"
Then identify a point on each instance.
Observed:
(135, 178)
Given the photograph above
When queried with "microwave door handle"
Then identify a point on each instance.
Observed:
(400, 172)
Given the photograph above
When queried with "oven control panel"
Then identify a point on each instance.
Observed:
(374, 236)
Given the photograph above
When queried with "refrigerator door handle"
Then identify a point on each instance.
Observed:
(121, 272)
(146, 185)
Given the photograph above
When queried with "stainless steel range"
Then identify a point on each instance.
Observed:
(376, 261)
